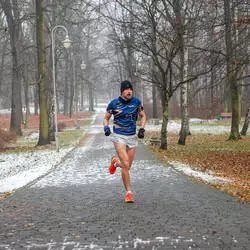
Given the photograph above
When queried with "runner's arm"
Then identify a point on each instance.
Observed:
(106, 119)
(142, 114)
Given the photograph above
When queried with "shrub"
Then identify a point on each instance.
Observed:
(61, 126)
(5, 137)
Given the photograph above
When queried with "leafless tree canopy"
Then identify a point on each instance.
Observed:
(160, 45)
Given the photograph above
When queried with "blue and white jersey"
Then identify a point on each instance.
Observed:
(125, 114)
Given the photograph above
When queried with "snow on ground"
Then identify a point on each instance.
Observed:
(207, 176)
(19, 169)
(196, 126)
(4, 111)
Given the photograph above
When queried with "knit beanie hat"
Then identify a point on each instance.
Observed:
(126, 85)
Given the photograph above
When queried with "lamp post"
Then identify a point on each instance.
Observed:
(66, 43)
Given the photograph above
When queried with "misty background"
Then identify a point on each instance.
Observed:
(185, 58)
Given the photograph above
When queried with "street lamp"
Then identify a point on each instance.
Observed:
(66, 43)
(83, 66)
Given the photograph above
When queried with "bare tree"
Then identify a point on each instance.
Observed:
(44, 123)
(231, 72)
(12, 13)
(246, 123)
(181, 32)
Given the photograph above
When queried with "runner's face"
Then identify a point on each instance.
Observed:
(127, 93)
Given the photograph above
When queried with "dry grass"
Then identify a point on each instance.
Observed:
(230, 159)
(8, 140)
(5, 138)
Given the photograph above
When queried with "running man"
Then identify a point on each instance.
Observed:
(125, 110)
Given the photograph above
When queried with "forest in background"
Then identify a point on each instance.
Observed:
(186, 58)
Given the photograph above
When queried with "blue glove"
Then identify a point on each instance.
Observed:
(107, 131)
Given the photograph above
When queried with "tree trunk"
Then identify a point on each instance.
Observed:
(212, 61)
(26, 95)
(164, 144)
(130, 50)
(3, 48)
(37, 76)
(246, 123)
(76, 94)
(184, 98)
(72, 83)
(236, 103)
(36, 98)
(155, 113)
(232, 74)
(82, 96)
(180, 30)
(66, 98)
(87, 77)
(72, 87)
(91, 98)
(16, 103)
(184, 121)
(44, 119)
(14, 24)
(50, 96)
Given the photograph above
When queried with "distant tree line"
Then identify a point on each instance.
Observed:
(190, 56)
(195, 52)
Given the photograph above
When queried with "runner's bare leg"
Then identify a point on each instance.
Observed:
(131, 155)
(126, 157)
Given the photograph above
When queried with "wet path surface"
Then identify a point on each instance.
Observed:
(80, 206)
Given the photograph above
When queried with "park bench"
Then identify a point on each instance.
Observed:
(155, 142)
(155, 121)
(226, 115)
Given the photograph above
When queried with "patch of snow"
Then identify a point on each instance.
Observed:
(96, 129)
(5, 111)
(195, 120)
(195, 127)
(219, 129)
(8, 111)
(139, 241)
(173, 126)
(136, 243)
(19, 169)
(100, 110)
(207, 177)
(34, 135)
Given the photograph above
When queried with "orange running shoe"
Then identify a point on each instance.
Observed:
(129, 198)
(112, 167)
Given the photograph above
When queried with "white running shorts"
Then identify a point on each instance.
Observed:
(129, 140)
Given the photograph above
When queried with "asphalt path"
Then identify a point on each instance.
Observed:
(78, 205)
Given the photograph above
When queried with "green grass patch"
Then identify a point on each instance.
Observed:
(27, 142)
(70, 137)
